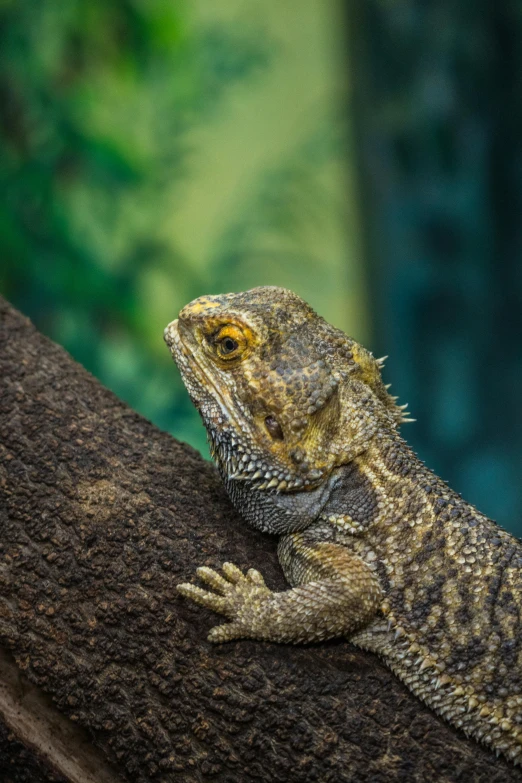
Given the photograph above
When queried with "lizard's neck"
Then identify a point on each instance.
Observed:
(391, 465)
(388, 485)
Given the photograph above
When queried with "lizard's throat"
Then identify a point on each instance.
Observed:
(245, 464)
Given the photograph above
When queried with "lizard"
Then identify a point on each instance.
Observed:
(375, 547)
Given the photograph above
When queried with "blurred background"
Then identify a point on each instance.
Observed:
(366, 154)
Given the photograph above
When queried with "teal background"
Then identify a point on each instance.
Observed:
(365, 154)
(439, 117)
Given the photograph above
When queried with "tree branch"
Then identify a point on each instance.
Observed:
(101, 515)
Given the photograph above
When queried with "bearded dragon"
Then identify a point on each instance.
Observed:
(376, 547)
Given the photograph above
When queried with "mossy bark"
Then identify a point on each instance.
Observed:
(101, 515)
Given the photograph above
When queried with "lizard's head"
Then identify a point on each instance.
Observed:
(285, 397)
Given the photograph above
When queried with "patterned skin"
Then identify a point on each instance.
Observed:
(374, 545)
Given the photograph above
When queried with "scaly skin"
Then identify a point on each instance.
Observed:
(375, 546)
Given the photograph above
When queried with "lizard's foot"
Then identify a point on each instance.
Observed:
(237, 596)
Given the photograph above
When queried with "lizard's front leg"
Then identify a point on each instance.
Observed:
(337, 594)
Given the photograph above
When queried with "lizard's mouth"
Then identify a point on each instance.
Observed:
(198, 381)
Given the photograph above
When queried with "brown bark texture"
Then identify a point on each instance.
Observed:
(101, 515)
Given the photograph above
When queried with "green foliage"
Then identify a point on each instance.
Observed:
(152, 151)
(98, 100)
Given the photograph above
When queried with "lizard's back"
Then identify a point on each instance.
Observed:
(452, 581)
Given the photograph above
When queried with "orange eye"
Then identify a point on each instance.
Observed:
(230, 342)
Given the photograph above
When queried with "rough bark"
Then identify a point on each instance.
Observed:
(101, 514)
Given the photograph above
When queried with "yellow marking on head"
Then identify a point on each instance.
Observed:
(199, 306)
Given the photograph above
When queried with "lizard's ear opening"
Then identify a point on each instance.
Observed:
(274, 428)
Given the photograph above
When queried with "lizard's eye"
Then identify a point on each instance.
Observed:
(228, 345)
(229, 342)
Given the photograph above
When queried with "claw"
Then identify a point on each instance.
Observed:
(225, 633)
(256, 577)
(212, 601)
(212, 578)
(235, 595)
(232, 573)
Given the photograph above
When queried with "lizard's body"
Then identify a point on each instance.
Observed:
(375, 546)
